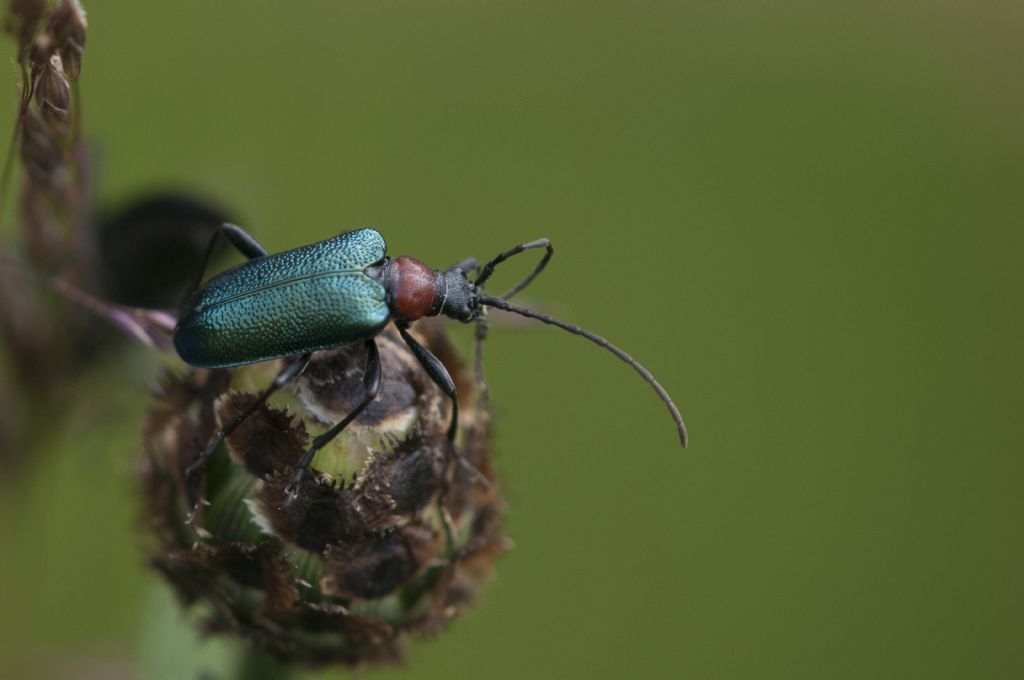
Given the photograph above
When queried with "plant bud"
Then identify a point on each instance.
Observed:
(387, 537)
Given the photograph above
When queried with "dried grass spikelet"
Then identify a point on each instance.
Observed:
(55, 190)
(53, 206)
(67, 26)
(53, 93)
(387, 538)
(23, 20)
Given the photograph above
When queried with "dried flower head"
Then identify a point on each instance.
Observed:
(388, 537)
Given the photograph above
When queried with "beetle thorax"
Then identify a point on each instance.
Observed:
(414, 288)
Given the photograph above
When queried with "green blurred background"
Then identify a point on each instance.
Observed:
(804, 217)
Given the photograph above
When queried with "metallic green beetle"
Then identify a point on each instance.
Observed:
(338, 292)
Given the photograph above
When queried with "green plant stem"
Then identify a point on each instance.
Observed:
(256, 665)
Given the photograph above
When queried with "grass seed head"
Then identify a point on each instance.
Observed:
(53, 95)
(67, 26)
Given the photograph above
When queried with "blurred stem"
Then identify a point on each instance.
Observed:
(5, 175)
(255, 665)
(76, 112)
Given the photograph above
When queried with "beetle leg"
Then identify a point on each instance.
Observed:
(439, 374)
(468, 266)
(478, 355)
(291, 371)
(242, 240)
(239, 238)
(371, 382)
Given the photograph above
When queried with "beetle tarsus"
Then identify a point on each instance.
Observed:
(199, 463)
(292, 490)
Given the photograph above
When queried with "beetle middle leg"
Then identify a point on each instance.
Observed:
(479, 335)
(291, 371)
(439, 374)
(371, 382)
(251, 248)
(481, 320)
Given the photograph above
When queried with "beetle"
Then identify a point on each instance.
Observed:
(338, 292)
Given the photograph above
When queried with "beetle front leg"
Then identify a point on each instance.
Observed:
(479, 336)
(291, 371)
(371, 382)
(439, 374)
(468, 266)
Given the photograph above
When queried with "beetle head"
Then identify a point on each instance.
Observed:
(458, 295)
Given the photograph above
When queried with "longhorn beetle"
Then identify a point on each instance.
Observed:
(340, 292)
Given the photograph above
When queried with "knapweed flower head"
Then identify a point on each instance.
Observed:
(388, 537)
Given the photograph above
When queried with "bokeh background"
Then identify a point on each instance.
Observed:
(804, 217)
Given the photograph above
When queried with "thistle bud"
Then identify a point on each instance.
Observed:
(67, 26)
(388, 536)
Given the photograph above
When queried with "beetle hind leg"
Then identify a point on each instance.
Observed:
(236, 236)
(291, 371)
(371, 383)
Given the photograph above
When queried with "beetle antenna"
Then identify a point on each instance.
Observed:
(503, 304)
(488, 269)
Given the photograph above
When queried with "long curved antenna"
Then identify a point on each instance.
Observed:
(488, 269)
(598, 340)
